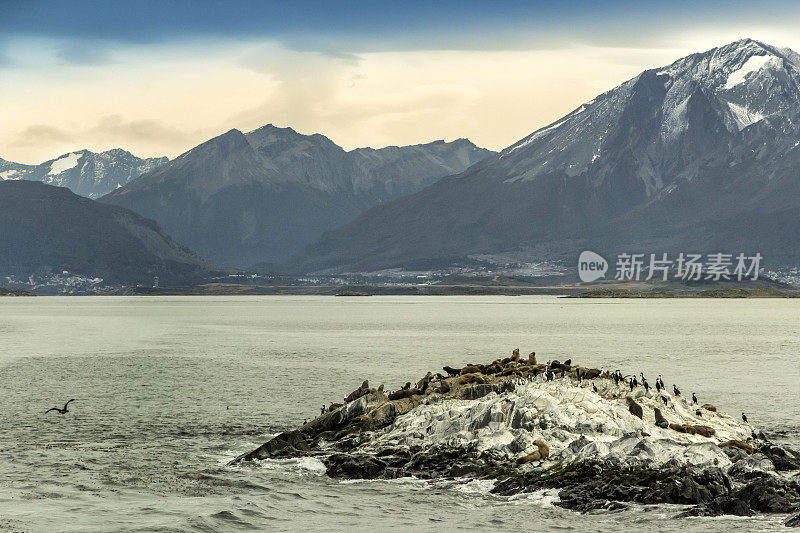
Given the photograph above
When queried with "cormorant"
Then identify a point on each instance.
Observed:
(594, 387)
(675, 390)
(631, 384)
(744, 417)
(694, 399)
(60, 411)
(646, 385)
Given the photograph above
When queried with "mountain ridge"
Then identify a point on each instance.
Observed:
(642, 165)
(86, 173)
(242, 199)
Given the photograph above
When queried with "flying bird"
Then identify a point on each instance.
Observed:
(60, 411)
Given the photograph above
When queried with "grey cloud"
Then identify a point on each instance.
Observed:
(39, 134)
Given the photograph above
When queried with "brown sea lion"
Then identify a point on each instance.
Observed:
(470, 369)
(403, 393)
(334, 406)
(709, 407)
(542, 452)
(737, 444)
(634, 408)
(532, 358)
(660, 420)
(704, 430)
(451, 371)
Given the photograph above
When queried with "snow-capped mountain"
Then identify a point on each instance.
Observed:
(244, 199)
(701, 154)
(84, 172)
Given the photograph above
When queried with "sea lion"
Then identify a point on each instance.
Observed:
(365, 384)
(660, 420)
(737, 444)
(709, 407)
(334, 406)
(451, 371)
(532, 358)
(704, 430)
(356, 394)
(542, 452)
(471, 378)
(568, 362)
(634, 408)
(380, 389)
(423, 383)
(403, 393)
(470, 369)
(515, 355)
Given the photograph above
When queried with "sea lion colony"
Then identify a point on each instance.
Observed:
(507, 373)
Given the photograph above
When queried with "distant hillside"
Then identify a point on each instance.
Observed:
(50, 229)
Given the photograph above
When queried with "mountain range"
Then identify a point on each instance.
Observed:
(84, 172)
(243, 199)
(702, 155)
(50, 229)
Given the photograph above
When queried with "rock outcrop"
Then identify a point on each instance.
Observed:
(600, 441)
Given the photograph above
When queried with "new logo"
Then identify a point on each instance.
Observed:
(591, 266)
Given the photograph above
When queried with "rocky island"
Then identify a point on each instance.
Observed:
(599, 438)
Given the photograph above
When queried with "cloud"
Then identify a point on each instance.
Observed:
(121, 130)
(41, 134)
(81, 52)
(109, 131)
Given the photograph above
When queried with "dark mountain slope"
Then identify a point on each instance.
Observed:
(50, 229)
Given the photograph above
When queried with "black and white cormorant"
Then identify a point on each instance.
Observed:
(675, 390)
(744, 417)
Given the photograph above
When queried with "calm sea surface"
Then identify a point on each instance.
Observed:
(170, 388)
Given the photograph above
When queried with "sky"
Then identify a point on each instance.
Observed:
(157, 78)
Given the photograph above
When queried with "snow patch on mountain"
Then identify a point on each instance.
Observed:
(753, 64)
(743, 116)
(64, 163)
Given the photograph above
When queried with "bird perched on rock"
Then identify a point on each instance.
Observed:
(698, 412)
(62, 411)
(675, 390)
(744, 417)
(646, 385)
(594, 387)
(658, 385)
(694, 399)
